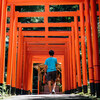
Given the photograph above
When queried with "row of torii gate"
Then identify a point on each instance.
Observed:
(24, 50)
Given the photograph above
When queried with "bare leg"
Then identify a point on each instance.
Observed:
(54, 85)
(49, 84)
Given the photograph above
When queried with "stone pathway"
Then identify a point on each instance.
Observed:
(47, 97)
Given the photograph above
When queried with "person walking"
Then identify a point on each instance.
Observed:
(50, 68)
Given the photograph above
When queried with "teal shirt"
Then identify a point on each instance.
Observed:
(51, 63)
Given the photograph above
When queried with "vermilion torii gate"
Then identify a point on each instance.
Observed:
(23, 46)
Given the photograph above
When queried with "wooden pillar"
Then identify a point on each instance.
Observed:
(27, 73)
(21, 63)
(96, 64)
(65, 66)
(24, 69)
(0, 14)
(2, 40)
(67, 75)
(73, 59)
(63, 77)
(78, 55)
(71, 66)
(38, 79)
(68, 68)
(14, 57)
(46, 19)
(89, 47)
(18, 89)
(31, 75)
(9, 66)
(84, 67)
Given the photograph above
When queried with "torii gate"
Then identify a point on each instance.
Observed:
(68, 47)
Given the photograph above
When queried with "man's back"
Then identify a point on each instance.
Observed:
(51, 63)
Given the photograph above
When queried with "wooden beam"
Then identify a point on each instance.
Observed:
(42, 2)
(42, 33)
(30, 39)
(49, 14)
(43, 24)
(45, 52)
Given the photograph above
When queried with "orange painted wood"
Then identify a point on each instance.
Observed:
(24, 66)
(44, 39)
(0, 14)
(84, 67)
(9, 67)
(18, 81)
(89, 42)
(44, 33)
(77, 53)
(43, 24)
(67, 68)
(2, 40)
(31, 75)
(38, 87)
(21, 63)
(71, 66)
(45, 52)
(42, 2)
(0, 29)
(49, 14)
(74, 58)
(27, 73)
(96, 63)
(63, 76)
(9, 13)
(14, 52)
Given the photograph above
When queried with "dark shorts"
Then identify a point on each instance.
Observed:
(51, 76)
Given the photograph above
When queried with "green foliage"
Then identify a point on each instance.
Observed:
(39, 8)
(64, 8)
(8, 8)
(31, 19)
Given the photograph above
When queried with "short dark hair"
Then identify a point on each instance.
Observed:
(51, 52)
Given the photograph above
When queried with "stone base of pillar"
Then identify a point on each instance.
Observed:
(68, 92)
(85, 89)
(97, 85)
(92, 88)
(18, 91)
(72, 90)
(24, 92)
(8, 89)
(79, 89)
(13, 90)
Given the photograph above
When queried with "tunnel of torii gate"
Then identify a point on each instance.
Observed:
(25, 45)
